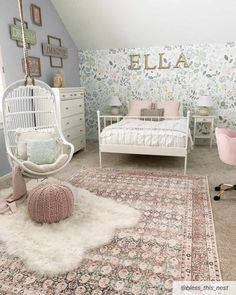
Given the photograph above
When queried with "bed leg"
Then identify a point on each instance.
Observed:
(100, 159)
(185, 164)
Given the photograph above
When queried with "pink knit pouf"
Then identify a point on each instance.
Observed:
(50, 203)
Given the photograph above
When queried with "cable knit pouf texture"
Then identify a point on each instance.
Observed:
(50, 203)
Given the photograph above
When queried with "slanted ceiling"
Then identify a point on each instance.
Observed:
(101, 24)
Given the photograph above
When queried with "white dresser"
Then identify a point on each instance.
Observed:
(71, 107)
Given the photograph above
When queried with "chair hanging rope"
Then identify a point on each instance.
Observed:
(25, 49)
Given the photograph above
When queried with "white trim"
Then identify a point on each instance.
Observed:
(144, 150)
(5, 177)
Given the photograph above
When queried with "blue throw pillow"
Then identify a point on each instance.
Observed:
(41, 151)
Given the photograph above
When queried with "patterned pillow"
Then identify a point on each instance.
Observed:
(152, 113)
(41, 151)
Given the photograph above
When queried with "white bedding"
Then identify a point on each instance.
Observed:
(167, 133)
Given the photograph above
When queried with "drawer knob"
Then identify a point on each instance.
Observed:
(80, 105)
(67, 108)
(68, 135)
(67, 123)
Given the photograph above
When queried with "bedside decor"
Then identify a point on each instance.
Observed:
(36, 14)
(204, 102)
(115, 104)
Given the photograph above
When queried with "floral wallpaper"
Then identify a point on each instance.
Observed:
(211, 71)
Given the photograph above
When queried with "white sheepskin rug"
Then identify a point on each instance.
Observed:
(57, 248)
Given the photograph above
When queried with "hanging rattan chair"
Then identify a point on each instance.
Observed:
(30, 106)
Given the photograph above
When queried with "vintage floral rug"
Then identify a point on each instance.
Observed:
(174, 240)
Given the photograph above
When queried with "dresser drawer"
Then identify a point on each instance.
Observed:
(78, 143)
(74, 132)
(71, 107)
(70, 95)
(72, 121)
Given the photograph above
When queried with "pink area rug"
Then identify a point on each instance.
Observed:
(174, 239)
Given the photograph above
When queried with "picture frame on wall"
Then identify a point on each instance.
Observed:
(17, 22)
(55, 62)
(36, 16)
(35, 66)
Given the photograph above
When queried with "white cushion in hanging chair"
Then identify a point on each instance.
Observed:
(61, 160)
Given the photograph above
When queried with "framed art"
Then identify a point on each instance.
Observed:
(35, 66)
(55, 62)
(17, 22)
(36, 14)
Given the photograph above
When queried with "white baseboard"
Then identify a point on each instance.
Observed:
(5, 177)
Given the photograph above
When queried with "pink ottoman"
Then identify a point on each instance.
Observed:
(50, 203)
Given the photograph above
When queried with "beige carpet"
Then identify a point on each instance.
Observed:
(202, 161)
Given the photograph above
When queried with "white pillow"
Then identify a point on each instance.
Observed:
(23, 135)
(135, 106)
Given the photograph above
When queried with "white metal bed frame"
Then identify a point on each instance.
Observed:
(143, 150)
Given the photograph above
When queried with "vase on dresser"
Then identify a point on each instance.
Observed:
(70, 104)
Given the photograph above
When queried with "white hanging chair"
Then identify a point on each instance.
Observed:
(30, 107)
(33, 108)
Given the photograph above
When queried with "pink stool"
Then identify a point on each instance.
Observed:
(50, 203)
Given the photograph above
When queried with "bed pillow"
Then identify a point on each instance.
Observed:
(22, 135)
(152, 113)
(41, 151)
(135, 106)
(171, 108)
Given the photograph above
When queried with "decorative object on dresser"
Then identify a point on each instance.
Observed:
(207, 133)
(71, 107)
(204, 103)
(58, 79)
(115, 104)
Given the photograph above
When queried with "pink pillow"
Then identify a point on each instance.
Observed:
(135, 106)
(171, 108)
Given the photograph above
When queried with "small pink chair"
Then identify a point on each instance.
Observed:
(226, 143)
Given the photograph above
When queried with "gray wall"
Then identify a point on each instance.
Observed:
(4, 165)
(12, 55)
(52, 25)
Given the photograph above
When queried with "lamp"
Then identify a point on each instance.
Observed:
(115, 104)
(204, 102)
